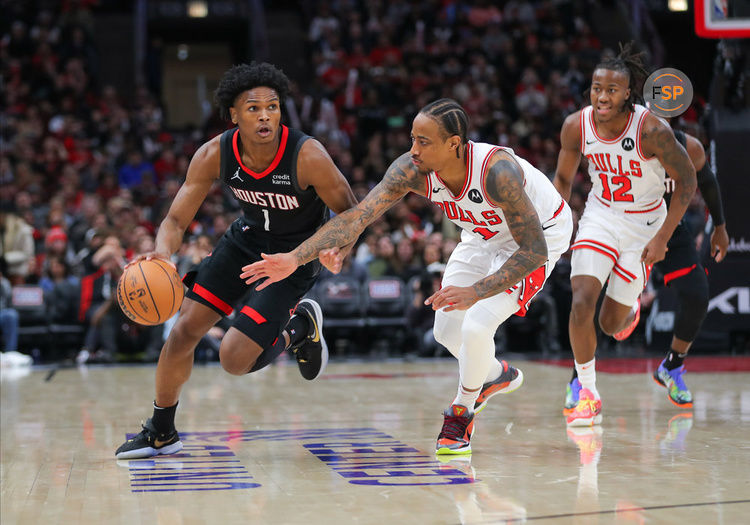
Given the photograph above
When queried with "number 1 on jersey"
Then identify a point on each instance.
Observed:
(485, 233)
(267, 220)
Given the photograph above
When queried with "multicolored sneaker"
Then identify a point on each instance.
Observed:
(312, 352)
(674, 382)
(624, 334)
(458, 426)
(572, 391)
(509, 381)
(149, 443)
(587, 412)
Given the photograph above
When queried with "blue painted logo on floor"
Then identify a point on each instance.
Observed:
(362, 456)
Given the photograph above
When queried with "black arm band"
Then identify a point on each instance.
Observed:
(709, 187)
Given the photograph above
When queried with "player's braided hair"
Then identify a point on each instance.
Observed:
(630, 62)
(239, 79)
(450, 116)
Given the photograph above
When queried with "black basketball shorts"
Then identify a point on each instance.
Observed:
(681, 257)
(216, 283)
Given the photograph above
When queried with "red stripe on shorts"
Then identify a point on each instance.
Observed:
(211, 298)
(253, 314)
(671, 276)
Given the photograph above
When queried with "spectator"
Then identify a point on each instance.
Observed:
(9, 318)
(61, 291)
(16, 246)
(135, 171)
(383, 262)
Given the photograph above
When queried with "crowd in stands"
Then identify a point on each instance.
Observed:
(87, 172)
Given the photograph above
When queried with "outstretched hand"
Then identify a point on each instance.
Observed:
(453, 298)
(273, 268)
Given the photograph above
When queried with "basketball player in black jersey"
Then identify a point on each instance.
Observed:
(681, 270)
(285, 182)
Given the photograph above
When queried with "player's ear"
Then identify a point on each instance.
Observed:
(456, 145)
(233, 115)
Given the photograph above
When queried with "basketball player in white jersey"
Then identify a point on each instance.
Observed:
(626, 225)
(515, 227)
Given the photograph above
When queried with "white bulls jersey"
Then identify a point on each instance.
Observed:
(622, 178)
(471, 209)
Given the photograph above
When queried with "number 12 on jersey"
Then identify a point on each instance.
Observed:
(621, 193)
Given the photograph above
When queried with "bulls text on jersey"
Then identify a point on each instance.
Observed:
(456, 213)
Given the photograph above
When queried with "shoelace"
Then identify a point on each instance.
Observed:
(454, 427)
(301, 355)
(586, 404)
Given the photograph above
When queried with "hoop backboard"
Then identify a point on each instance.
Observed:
(722, 18)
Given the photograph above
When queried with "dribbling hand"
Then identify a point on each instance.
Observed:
(152, 255)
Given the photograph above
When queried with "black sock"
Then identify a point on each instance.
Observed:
(297, 328)
(575, 374)
(674, 360)
(163, 418)
(268, 355)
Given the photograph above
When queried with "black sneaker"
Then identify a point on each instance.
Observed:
(148, 443)
(312, 351)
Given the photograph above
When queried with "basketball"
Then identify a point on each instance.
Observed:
(150, 292)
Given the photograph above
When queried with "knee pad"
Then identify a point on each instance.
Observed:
(447, 330)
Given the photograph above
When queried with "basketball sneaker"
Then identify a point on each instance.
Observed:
(149, 443)
(587, 412)
(510, 380)
(624, 334)
(312, 352)
(455, 437)
(572, 391)
(674, 382)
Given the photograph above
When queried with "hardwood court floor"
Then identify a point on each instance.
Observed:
(356, 446)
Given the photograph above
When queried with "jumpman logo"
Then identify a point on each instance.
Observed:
(237, 175)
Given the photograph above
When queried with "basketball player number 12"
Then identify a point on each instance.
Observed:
(620, 194)
(267, 220)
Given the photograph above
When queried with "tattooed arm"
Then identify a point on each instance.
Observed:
(400, 178)
(657, 140)
(504, 186)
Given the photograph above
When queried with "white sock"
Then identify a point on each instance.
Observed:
(495, 370)
(587, 376)
(466, 398)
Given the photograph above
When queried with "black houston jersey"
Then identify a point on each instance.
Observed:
(272, 200)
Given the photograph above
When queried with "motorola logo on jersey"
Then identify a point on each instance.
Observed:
(267, 199)
(474, 196)
(628, 144)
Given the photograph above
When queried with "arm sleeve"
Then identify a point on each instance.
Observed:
(709, 187)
